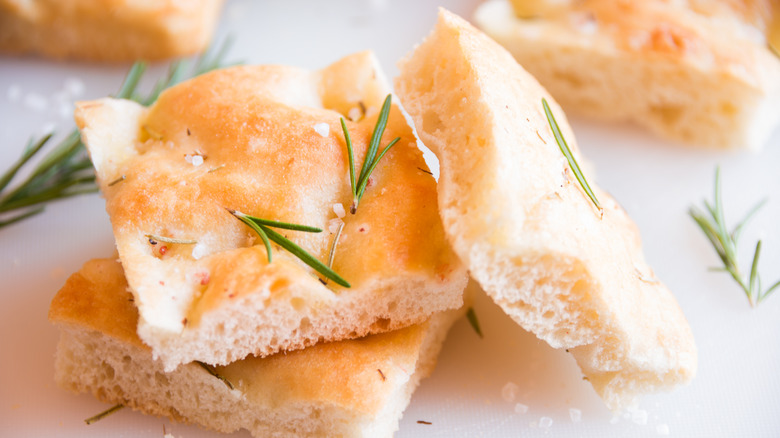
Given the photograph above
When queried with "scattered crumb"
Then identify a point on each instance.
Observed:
(662, 429)
(545, 422)
(423, 422)
(322, 129)
(575, 414)
(521, 408)
(509, 392)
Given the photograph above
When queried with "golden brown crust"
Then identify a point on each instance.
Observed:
(254, 128)
(107, 30)
(97, 298)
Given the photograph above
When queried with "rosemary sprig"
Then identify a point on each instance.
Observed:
(371, 160)
(214, 373)
(261, 227)
(95, 418)
(725, 244)
(569, 156)
(66, 170)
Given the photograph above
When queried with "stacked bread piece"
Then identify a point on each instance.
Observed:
(206, 298)
(264, 141)
(697, 71)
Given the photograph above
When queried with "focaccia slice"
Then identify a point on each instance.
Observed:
(107, 30)
(525, 228)
(354, 388)
(699, 71)
(267, 141)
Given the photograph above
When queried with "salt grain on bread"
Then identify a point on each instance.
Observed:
(525, 229)
(219, 300)
(107, 30)
(700, 71)
(356, 388)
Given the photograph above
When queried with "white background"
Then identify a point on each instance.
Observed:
(737, 391)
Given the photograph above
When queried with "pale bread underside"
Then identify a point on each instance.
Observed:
(524, 227)
(705, 77)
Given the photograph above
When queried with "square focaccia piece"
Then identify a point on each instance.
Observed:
(267, 141)
(352, 388)
(565, 270)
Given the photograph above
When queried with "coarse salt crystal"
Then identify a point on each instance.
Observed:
(575, 414)
(639, 416)
(60, 96)
(35, 102)
(521, 408)
(334, 224)
(509, 391)
(199, 250)
(197, 160)
(662, 429)
(14, 93)
(322, 129)
(188, 158)
(65, 110)
(545, 422)
(74, 86)
(338, 208)
(48, 128)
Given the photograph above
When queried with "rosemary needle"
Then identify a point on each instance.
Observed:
(569, 156)
(725, 244)
(471, 315)
(104, 414)
(214, 373)
(261, 227)
(171, 239)
(66, 170)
